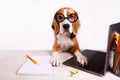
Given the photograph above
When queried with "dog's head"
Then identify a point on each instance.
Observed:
(66, 21)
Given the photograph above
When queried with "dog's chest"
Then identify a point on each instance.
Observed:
(65, 42)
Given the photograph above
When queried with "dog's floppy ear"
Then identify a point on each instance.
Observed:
(55, 26)
(76, 26)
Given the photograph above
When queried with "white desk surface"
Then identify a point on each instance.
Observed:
(11, 61)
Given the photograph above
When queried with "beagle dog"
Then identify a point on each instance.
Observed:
(65, 26)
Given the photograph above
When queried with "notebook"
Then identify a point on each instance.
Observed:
(42, 68)
(96, 62)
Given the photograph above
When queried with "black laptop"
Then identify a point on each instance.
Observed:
(96, 62)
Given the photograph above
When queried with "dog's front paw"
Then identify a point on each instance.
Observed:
(81, 59)
(54, 60)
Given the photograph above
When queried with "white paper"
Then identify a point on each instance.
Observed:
(43, 67)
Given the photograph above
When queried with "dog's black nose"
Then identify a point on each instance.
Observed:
(66, 26)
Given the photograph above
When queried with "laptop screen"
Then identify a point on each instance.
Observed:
(96, 62)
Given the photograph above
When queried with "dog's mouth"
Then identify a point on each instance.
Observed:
(66, 31)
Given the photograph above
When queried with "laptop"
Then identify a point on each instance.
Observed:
(96, 62)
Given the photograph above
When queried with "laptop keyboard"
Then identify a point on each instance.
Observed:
(96, 62)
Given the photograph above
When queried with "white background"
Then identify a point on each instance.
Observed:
(26, 24)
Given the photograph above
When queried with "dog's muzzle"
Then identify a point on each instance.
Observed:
(66, 26)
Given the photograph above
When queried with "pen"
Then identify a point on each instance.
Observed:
(34, 61)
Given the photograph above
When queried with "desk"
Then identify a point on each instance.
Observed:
(11, 61)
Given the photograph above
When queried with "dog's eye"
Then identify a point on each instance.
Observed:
(60, 17)
(71, 16)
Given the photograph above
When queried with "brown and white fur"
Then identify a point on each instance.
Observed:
(62, 41)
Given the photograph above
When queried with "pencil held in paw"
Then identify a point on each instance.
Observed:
(34, 61)
(65, 26)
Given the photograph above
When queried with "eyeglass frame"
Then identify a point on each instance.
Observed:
(55, 17)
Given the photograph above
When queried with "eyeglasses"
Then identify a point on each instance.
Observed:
(71, 17)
